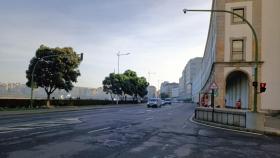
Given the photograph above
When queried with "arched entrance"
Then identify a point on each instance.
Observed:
(237, 87)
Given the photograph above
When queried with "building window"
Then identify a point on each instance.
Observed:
(237, 49)
(236, 19)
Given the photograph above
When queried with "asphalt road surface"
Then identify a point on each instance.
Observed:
(126, 132)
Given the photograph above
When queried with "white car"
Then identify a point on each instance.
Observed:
(154, 102)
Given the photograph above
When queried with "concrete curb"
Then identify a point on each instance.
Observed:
(272, 133)
(64, 109)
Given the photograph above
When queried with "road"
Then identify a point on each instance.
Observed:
(126, 132)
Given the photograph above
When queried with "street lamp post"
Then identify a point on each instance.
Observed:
(255, 83)
(149, 75)
(32, 74)
(119, 54)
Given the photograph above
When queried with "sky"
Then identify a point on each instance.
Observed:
(156, 33)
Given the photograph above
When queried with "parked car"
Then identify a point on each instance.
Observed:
(167, 101)
(154, 102)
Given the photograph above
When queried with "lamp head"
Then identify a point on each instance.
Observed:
(82, 56)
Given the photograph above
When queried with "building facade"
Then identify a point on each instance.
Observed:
(175, 92)
(152, 92)
(229, 59)
(185, 82)
(170, 89)
(18, 90)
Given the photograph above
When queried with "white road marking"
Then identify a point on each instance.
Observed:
(35, 125)
(28, 135)
(101, 129)
(6, 132)
(103, 109)
(35, 133)
(140, 113)
(150, 118)
(14, 130)
(233, 130)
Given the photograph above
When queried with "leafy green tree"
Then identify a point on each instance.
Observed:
(56, 68)
(127, 83)
(134, 85)
(142, 85)
(112, 85)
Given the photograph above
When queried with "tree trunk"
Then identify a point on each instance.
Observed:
(134, 97)
(112, 97)
(48, 101)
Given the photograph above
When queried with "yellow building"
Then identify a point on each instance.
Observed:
(229, 57)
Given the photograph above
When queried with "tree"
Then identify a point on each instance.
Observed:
(112, 85)
(142, 85)
(54, 68)
(126, 83)
(130, 82)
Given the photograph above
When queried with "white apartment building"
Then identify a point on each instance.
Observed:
(185, 82)
(167, 88)
(152, 92)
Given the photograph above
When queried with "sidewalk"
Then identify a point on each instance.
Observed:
(272, 124)
(60, 109)
(269, 124)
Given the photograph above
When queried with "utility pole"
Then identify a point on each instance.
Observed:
(149, 76)
(119, 54)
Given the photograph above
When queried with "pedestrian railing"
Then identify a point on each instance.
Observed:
(223, 116)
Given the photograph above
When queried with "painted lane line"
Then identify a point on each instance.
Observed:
(101, 129)
(24, 136)
(150, 118)
(227, 129)
(12, 129)
(36, 125)
(139, 113)
(123, 127)
(35, 133)
(7, 131)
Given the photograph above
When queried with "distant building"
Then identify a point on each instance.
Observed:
(76, 92)
(175, 92)
(166, 88)
(17, 90)
(99, 94)
(186, 80)
(152, 92)
(14, 90)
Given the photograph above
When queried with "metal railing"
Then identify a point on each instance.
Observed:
(222, 116)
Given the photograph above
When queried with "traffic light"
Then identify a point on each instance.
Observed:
(262, 87)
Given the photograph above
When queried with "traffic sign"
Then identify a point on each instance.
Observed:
(213, 86)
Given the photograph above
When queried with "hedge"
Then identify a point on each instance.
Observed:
(24, 103)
